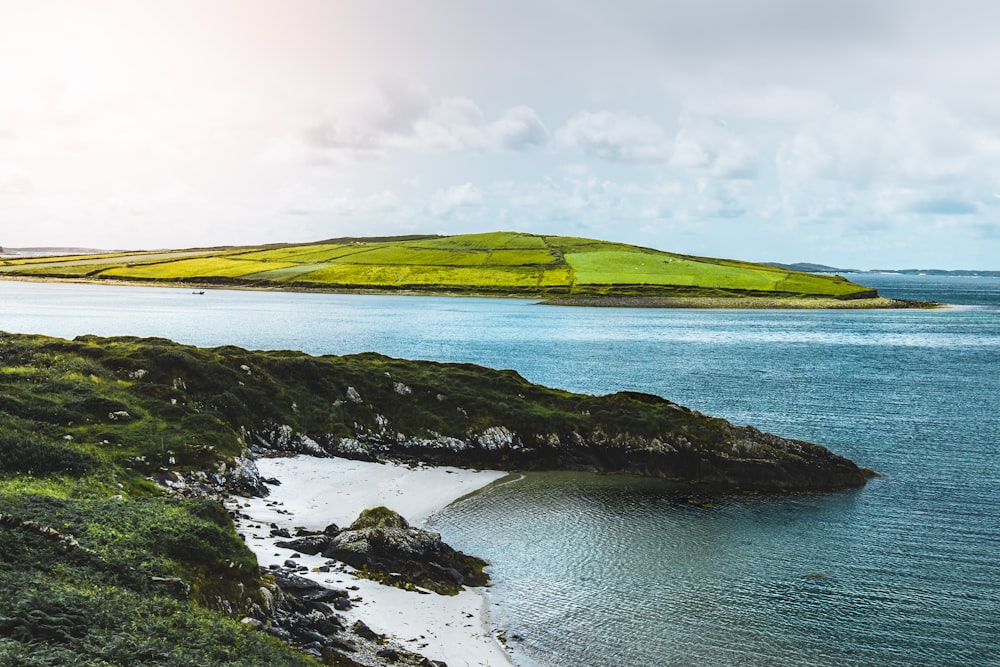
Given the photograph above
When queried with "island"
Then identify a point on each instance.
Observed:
(557, 269)
(127, 464)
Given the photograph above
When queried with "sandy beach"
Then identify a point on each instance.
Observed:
(315, 492)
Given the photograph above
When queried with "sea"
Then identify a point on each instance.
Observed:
(615, 570)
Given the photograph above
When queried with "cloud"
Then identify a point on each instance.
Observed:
(944, 207)
(405, 116)
(771, 103)
(365, 119)
(318, 200)
(446, 202)
(616, 137)
(452, 124)
(708, 145)
(520, 129)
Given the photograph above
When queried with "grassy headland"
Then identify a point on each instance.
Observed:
(101, 563)
(495, 264)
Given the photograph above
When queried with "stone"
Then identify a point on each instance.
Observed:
(311, 545)
(360, 629)
(382, 543)
(251, 622)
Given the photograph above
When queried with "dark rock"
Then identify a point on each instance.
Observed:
(322, 607)
(244, 478)
(294, 584)
(280, 532)
(342, 644)
(328, 594)
(311, 545)
(361, 630)
(334, 657)
(383, 545)
(394, 655)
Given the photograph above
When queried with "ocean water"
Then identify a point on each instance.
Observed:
(613, 570)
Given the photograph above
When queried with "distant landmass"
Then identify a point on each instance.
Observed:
(48, 251)
(559, 269)
(809, 267)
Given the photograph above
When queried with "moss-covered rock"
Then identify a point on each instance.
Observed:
(385, 547)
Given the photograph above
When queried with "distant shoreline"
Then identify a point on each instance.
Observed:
(749, 303)
(687, 302)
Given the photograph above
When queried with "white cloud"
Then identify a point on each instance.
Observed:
(709, 146)
(453, 124)
(319, 200)
(617, 137)
(446, 202)
(906, 161)
(520, 128)
(407, 117)
(771, 103)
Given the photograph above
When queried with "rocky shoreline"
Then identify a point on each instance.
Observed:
(740, 302)
(94, 429)
(391, 593)
(320, 585)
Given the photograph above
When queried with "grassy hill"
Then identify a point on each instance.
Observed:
(101, 564)
(497, 263)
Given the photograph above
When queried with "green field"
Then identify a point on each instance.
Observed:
(496, 263)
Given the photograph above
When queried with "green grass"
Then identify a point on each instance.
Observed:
(302, 254)
(100, 566)
(612, 267)
(492, 263)
(89, 547)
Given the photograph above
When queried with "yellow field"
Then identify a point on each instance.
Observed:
(492, 263)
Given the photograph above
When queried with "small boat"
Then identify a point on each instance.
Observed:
(201, 291)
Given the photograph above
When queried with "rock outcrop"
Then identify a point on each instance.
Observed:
(216, 403)
(383, 546)
(740, 459)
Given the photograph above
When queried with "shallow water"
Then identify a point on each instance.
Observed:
(613, 570)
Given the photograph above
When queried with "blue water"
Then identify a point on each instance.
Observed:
(612, 570)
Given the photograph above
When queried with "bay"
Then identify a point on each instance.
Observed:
(613, 570)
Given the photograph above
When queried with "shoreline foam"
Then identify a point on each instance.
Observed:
(316, 492)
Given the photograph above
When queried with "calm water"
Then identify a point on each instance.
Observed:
(609, 570)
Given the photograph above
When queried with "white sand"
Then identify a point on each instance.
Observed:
(317, 492)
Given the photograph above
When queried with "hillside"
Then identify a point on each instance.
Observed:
(499, 263)
(114, 452)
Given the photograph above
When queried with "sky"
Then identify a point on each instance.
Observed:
(856, 134)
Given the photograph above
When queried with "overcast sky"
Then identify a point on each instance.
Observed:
(855, 133)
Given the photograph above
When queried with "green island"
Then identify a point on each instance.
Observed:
(559, 269)
(116, 455)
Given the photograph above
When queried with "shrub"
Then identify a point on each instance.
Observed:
(28, 454)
